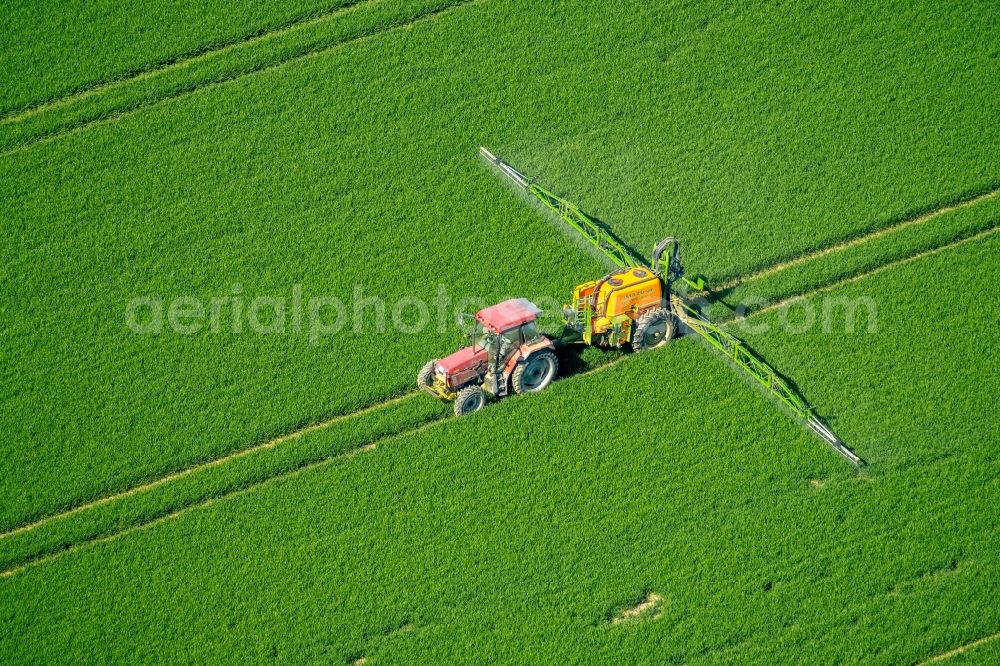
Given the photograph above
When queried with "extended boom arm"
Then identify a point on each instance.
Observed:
(736, 351)
(729, 345)
(568, 211)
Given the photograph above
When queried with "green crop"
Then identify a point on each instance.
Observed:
(226, 154)
(355, 166)
(979, 653)
(450, 546)
(865, 255)
(217, 66)
(53, 50)
(212, 481)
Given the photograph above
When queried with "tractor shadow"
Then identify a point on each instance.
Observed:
(577, 358)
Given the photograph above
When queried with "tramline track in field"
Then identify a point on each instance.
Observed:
(369, 446)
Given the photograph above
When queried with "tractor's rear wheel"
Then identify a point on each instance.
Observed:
(536, 373)
(470, 399)
(426, 375)
(654, 329)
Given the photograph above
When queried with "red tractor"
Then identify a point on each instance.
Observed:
(507, 355)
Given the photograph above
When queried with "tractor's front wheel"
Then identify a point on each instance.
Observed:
(470, 399)
(654, 329)
(536, 373)
(426, 375)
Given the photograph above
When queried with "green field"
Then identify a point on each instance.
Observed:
(217, 495)
(52, 51)
(759, 540)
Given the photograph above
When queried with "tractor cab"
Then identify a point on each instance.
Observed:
(506, 354)
(501, 329)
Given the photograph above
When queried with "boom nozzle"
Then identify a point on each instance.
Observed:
(505, 168)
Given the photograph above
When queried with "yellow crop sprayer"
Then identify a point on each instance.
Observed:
(634, 306)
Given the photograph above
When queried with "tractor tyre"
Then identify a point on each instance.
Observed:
(654, 329)
(536, 373)
(470, 399)
(426, 375)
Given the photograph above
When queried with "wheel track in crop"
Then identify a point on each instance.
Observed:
(366, 447)
(59, 132)
(944, 656)
(854, 241)
(215, 462)
(175, 62)
(369, 445)
(868, 273)
(377, 406)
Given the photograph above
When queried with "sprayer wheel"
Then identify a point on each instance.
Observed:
(654, 329)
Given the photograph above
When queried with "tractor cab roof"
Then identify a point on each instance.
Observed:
(509, 314)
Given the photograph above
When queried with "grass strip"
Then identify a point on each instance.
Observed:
(834, 267)
(210, 481)
(272, 49)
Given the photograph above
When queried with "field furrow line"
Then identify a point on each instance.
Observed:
(363, 448)
(944, 656)
(177, 62)
(869, 273)
(215, 462)
(856, 240)
(176, 513)
(272, 443)
(373, 444)
(46, 137)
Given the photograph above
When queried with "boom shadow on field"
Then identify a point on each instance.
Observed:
(736, 313)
